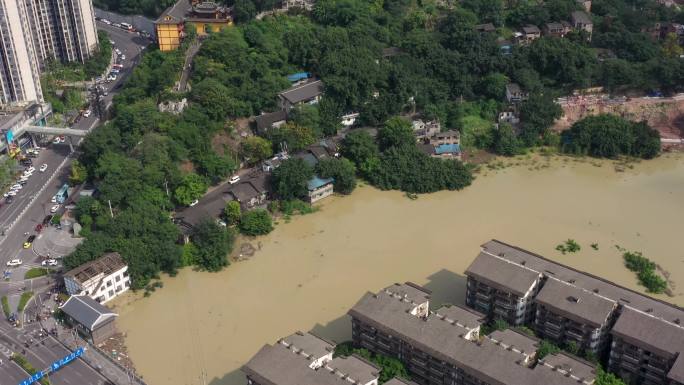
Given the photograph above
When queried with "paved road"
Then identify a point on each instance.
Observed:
(41, 352)
(131, 45)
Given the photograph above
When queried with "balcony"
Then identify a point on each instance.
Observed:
(552, 325)
(505, 304)
(574, 334)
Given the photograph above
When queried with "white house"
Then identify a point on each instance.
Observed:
(101, 279)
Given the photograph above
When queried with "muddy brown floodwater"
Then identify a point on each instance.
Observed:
(310, 271)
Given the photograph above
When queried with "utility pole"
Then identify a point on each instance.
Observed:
(111, 213)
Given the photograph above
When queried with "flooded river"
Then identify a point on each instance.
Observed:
(310, 271)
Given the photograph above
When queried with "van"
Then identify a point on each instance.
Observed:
(126, 26)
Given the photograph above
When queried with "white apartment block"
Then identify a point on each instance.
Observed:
(101, 279)
(34, 32)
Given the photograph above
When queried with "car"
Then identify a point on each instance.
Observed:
(106, 21)
(29, 241)
(196, 201)
(15, 262)
(112, 42)
(234, 179)
(16, 187)
(11, 193)
(119, 66)
(39, 228)
(57, 140)
(118, 51)
(47, 220)
(30, 169)
(115, 71)
(87, 113)
(54, 208)
(43, 167)
(9, 199)
(54, 199)
(49, 262)
(26, 162)
(22, 182)
(123, 57)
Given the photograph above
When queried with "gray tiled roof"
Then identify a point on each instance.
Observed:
(575, 303)
(443, 340)
(310, 344)
(410, 291)
(303, 92)
(508, 337)
(676, 373)
(356, 367)
(399, 381)
(649, 332)
(584, 280)
(277, 365)
(87, 311)
(463, 316)
(502, 274)
(174, 13)
(580, 17)
(568, 364)
(513, 88)
(530, 29)
(265, 121)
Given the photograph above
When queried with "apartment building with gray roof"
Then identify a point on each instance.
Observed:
(444, 346)
(644, 335)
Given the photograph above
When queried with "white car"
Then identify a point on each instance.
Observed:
(49, 262)
(15, 262)
(30, 169)
(123, 57)
(54, 199)
(26, 174)
(43, 167)
(57, 140)
(54, 209)
(196, 201)
(12, 193)
(234, 179)
(86, 113)
(16, 187)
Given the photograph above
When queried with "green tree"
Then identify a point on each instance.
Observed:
(605, 378)
(244, 10)
(546, 347)
(671, 47)
(307, 116)
(256, 222)
(537, 115)
(505, 141)
(191, 188)
(255, 149)
(359, 146)
(79, 173)
(493, 86)
(294, 136)
(213, 242)
(341, 170)
(290, 179)
(233, 212)
(397, 132)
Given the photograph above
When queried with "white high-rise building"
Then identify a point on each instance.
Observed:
(34, 32)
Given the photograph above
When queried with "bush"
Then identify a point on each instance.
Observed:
(213, 242)
(389, 367)
(646, 273)
(256, 222)
(36, 272)
(570, 246)
(5, 306)
(546, 347)
(296, 206)
(24, 364)
(25, 297)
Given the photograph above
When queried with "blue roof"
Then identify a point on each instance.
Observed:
(317, 182)
(298, 76)
(447, 149)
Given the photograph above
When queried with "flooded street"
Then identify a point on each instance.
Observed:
(310, 271)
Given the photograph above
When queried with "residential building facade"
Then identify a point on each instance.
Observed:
(304, 358)
(642, 336)
(35, 32)
(319, 188)
(102, 279)
(90, 318)
(444, 347)
(581, 21)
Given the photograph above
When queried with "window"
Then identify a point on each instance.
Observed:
(118, 278)
(111, 293)
(109, 283)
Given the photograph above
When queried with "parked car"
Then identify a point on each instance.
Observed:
(30, 169)
(123, 57)
(234, 179)
(47, 219)
(49, 262)
(43, 167)
(54, 199)
(196, 201)
(87, 113)
(54, 209)
(15, 262)
(39, 228)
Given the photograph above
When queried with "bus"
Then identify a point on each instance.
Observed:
(62, 194)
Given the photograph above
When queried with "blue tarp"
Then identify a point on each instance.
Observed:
(317, 182)
(298, 76)
(447, 149)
